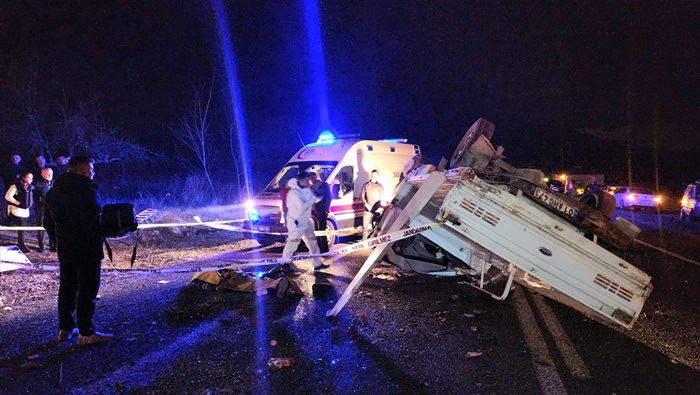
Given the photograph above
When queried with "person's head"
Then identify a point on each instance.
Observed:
(47, 173)
(15, 158)
(40, 161)
(374, 176)
(81, 165)
(26, 177)
(62, 160)
(304, 179)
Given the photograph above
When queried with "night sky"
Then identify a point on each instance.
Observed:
(560, 80)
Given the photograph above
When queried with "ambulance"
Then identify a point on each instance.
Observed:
(345, 164)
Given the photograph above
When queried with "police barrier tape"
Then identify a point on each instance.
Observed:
(328, 232)
(369, 243)
(223, 225)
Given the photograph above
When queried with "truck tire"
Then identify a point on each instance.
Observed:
(478, 128)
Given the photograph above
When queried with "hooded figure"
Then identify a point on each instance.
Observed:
(299, 200)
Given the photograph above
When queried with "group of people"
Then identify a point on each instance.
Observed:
(25, 191)
(69, 209)
(306, 202)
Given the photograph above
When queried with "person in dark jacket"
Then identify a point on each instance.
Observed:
(19, 197)
(41, 188)
(11, 171)
(72, 220)
(320, 210)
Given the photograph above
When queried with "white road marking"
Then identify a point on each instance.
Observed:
(566, 348)
(673, 254)
(547, 375)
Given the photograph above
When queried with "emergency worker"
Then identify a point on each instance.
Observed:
(300, 199)
(371, 193)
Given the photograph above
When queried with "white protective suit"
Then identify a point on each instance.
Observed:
(299, 223)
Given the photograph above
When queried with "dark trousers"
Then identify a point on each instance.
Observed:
(320, 219)
(80, 282)
(18, 221)
(40, 234)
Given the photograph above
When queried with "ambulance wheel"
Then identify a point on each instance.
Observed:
(264, 241)
(478, 128)
(332, 239)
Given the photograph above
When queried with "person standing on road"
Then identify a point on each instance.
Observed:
(20, 199)
(41, 188)
(320, 210)
(571, 190)
(299, 224)
(10, 174)
(72, 220)
(371, 193)
(61, 165)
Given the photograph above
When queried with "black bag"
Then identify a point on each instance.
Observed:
(118, 219)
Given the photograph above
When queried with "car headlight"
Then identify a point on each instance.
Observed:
(657, 199)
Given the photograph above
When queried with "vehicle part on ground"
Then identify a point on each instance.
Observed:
(501, 224)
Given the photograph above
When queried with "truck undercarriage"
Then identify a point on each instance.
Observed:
(499, 224)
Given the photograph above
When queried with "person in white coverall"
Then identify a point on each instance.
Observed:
(300, 199)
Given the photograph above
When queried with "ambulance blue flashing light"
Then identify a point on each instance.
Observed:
(325, 138)
(394, 140)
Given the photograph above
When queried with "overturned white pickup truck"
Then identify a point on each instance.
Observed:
(500, 224)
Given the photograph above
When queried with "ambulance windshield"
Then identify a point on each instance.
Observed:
(292, 169)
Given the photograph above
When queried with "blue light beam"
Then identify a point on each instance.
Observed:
(318, 66)
(234, 89)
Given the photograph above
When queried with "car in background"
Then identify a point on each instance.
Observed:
(555, 185)
(634, 197)
(690, 207)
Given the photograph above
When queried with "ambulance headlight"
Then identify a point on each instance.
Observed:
(253, 215)
(248, 204)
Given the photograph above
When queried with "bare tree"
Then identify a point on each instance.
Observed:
(84, 130)
(33, 131)
(193, 131)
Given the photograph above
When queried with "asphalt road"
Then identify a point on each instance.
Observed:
(401, 333)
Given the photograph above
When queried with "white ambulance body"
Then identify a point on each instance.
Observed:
(346, 164)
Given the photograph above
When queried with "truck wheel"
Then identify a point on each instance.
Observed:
(478, 128)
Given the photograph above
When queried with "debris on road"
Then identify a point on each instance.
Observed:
(35, 364)
(279, 363)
